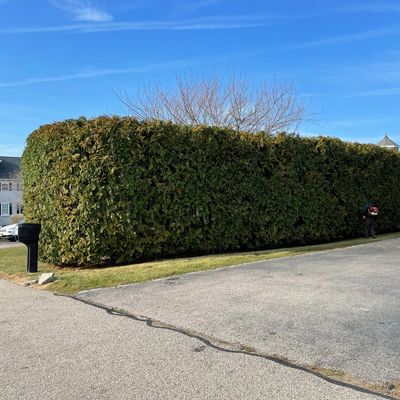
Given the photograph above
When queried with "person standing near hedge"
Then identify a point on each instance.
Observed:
(370, 213)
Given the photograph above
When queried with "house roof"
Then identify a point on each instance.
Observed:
(9, 166)
(386, 142)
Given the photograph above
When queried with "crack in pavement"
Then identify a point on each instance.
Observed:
(228, 347)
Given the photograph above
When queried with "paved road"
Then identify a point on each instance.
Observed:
(337, 309)
(56, 348)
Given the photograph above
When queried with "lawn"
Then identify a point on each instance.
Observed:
(68, 280)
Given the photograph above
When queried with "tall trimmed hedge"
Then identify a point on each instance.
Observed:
(112, 189)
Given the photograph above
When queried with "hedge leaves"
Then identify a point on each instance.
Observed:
(113, 190)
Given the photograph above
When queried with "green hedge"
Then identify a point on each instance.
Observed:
(112, 189)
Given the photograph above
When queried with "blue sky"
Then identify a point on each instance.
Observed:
(66, 58)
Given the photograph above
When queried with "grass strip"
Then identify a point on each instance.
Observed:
(72, 280)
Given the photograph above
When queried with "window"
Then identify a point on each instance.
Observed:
(5, 186)
(6, 209)
(19, 208)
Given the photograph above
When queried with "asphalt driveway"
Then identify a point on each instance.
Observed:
(54, 348)
(336, 309)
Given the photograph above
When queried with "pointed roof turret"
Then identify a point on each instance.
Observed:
(388, 143)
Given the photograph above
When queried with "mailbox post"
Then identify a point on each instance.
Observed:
(28, 234)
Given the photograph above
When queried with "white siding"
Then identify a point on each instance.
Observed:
(13, 197)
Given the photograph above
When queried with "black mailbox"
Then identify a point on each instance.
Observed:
(29, 235)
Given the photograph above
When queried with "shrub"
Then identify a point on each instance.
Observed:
(113, 190)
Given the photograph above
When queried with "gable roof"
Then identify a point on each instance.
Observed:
(9, 166)
(386, 142)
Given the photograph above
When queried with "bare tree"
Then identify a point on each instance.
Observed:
(234, 103)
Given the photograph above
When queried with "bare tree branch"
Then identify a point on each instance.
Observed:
(235, 104)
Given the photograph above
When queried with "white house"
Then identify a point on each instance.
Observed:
(10, 190)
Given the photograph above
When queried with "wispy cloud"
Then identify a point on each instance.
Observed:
(88, 74)
(395, 91)
(233, 22)
(197, 4)
(146, 68)
(82, 10)
(91, 14)
(360, 79)
(378, 7)
(313, 95)
(350, 38)
(355, 7)
(360, 121)
(384, 74)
